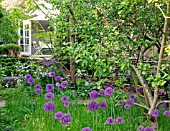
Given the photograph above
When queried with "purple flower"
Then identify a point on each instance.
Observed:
(105, 87)
(102, 105)
(49, 106)
(140, 128)
(130, 102)
(66, 104)
(132, 96)
(92, 106)
(38, 91)
(64, 99)
(155, 113)
(46, 63)
(49, 96)
(49, 88)
(60, 87)
(127, 106)
(27, 76)
(86, 129)
(100, 92)
(167, 113)
(164, 105)
(30, 80)
(139, 90)
(110, 120)
(120, 102)
(148, 129)
(37, 86)
(64, 84)
(60, 68)
(108, 91)
(87, 83)
(160, 93)
(51, 74)
(53, 61)
(58, 78)
(119, 120)
(58, 115)
(66, 119)
(93, 94)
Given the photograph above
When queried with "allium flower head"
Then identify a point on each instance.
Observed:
(167, 113)
(58, 115)
(132, 96)
(108, 91)
(66, 119)
(110, 120)
(93, 94)
(66, 104)
(160, 93)
(148, 129)
(102, 105)
(53, 61)
(49, 96)
(87, 83)
(49, 106)
(64, 99)
(140, 128)
(127, 106)
(119, 120)
(46, 63)
(155, 113)
(139, 90)
(86, 129)
(30, 80)
(27, 76)
(49, 88)
(60, 87)
(37, 86)
(51, 74)
(38, 91)
(120, 102)
(60, 68)
(100, 92)
(64, 84)
(130, 102)
(92, 106)
(58, 78)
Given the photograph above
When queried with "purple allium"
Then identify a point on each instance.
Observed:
(27, 76)
(37, 86)
(51, 74)
(93, 94)
(127, 106)
(110, 120)
(102, 105)
(93, 106)
(60, 87)
(58, 78)
(30, 80)
(167, 113)
(55, 69)
(100, 92)
(49, 106)
(108, 91)
(139, 90)
(60, 68)
(94, 87)
(38, 91)
(66, 119)
(46, 63)
(120, 102)
(148, 129)
(87, 83)
(66, 104)
(155, 113)
(86, 129)
(49, 88)
(64, 99)
(64, 84)
(160, 93)
(119, 120)
(105, 87)
(53, 61)
(164, 105)
(130, 102)
(58, 115)
(49, 96)
(132, 96)
(140, 128)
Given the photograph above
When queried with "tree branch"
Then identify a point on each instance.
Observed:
(143, 106)
(160, 102)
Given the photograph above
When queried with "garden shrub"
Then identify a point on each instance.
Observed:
(11, 50)
(1, 49)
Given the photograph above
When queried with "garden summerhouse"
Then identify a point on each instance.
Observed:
(38, 21)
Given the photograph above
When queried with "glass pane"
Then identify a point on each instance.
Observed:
(26, 48)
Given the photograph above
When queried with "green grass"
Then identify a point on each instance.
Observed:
(26, 113)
